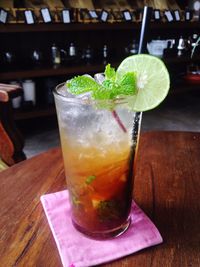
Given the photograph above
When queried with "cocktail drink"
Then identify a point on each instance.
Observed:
(97, 151)
(99, 133)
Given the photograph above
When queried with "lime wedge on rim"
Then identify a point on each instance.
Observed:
(152, 80)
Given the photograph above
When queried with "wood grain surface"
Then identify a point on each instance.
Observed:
(167, 188)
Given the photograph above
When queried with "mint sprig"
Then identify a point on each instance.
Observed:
(110, 73)
(110, 89)
(82, 84)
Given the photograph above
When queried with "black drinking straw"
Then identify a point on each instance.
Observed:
(147, 13)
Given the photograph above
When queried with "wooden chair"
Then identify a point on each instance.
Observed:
(11, 140)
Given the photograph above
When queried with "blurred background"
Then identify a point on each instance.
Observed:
(44, 43)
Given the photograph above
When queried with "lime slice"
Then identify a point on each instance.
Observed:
(152, 80)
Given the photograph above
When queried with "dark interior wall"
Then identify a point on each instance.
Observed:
(181, 3)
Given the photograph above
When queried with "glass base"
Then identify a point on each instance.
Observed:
(102, 235)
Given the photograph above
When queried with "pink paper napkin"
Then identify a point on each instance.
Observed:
(76, 250)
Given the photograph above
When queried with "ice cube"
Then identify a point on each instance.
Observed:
(63, 90)
(89, 76)
(84, 96)
(99, 77)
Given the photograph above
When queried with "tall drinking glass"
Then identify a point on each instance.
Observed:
(98, 149)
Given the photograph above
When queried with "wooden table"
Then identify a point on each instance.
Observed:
(167, 188)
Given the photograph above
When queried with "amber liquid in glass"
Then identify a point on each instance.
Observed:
(100, 186)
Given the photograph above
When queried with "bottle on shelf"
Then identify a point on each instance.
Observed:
(72, 54)
(29, 93)
(88, 55)
(37, 57)
(183, 46)
(55, 55)
(9, 60)
(105, 54)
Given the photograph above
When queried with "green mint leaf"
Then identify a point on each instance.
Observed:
(110, 73)
(90, 179)
(82, 84)
(128, 85)
(101, 94)
(111, 89)
(108, 91)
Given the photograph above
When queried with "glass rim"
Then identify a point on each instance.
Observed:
(122, 100)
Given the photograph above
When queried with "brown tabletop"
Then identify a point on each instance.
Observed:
(167, 188)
